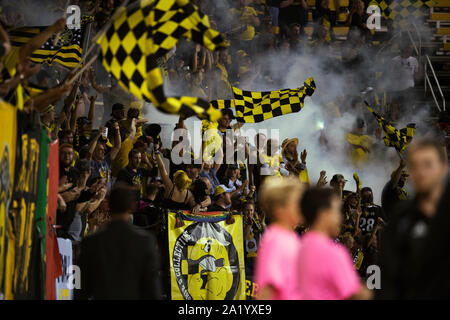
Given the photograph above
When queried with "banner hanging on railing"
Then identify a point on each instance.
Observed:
(22, 278)
(206, 256)
(8, 136)
(63, 292)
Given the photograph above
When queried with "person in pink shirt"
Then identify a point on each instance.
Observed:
(277, 260)
(325, 269)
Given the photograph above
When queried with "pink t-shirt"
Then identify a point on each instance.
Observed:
(326, 270)
(277, 262)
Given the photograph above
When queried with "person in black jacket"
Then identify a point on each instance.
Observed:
(433, 280)
(120, 261)
(406, 239)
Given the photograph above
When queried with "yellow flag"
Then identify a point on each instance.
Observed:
(206, 256)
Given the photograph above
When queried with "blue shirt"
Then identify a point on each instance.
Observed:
(212, 177)
(102, 169)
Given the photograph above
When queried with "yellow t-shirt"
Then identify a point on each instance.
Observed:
(121, 160)
(224, 74)
(273, 162)
(358, 155)
(245, 14)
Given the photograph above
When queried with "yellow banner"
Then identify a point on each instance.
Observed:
(207, 258)
(8, 135)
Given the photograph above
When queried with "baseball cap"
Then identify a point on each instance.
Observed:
(221, 188)
(338, 176)
(65, 145)
(152, 130)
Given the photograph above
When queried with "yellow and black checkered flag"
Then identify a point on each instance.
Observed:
(398, 139)
(252, 107)
(402, 10)
(145, 31)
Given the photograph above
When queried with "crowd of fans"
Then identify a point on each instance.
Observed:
(126, 149)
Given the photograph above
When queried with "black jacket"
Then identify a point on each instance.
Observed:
(119, 262)
(402, 245)
(416, 267)
(433, 281)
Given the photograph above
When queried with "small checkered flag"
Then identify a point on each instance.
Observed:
(398, 139)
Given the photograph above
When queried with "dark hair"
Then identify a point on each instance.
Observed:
(315, 200)
(83, 165)
(228, 112)
(428, 143)
(152, 187)
(64, 133)
(132, 152)
(117, 106)
(199, 190)
(84, 150)
(366, 189)
(122, 199)
(133, 113)
(192, 164)
(248, 203)
(349, 197)
(140, 143)
(152, 130)
(336, 177)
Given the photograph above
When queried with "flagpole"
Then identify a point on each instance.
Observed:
(398, 152)
(87, 65)
(85, 42)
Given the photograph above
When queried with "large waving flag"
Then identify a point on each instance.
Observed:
(252, 107)
(145, 31)
(398, 139)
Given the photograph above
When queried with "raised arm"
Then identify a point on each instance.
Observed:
(73, 118)
(5, 40)
(93, 143)
(117, 142)
(71, 97)
(91, 114)
(163, 172)
(50, 96)
(97, 87)
(397, 173)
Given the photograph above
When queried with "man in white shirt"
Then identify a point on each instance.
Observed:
(405, 69)
(408, 68)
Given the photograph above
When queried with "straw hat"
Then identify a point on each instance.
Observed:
(286, 142)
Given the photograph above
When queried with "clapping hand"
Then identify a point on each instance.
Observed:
(322, 179)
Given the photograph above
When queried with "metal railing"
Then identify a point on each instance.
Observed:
(427, 66)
